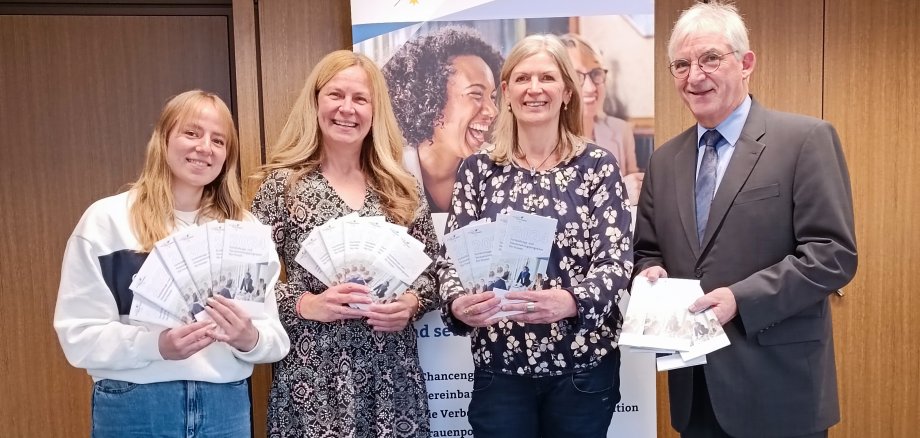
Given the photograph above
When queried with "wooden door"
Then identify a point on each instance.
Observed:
(79, 96)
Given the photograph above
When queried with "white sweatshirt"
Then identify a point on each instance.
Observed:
(96, 336)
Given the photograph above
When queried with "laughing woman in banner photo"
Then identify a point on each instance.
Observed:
(606, 131)
(553, 370)
(443, 87)
(351, 373)
(151, 380)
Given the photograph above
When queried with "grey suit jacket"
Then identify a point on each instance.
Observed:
(780, 236)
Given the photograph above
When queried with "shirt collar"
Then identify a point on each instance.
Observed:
(731, 127)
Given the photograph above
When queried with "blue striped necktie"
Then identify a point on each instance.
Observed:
(706, 180)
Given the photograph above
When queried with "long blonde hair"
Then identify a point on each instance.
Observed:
(152, 212)
(300, 145)
(505, 136)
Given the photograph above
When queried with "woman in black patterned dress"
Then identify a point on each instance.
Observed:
(552, 371)
(350, 373)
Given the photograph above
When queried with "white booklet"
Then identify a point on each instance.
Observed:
(510, 254)
(248, 265)
(192, 243)
(157, 288)
(313, 244)
(657, 320)
(233, 259)
(215, 232)
(175, 264)
(364, 250)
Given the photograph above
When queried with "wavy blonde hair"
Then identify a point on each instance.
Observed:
(152, 212)
(505, 136)
(300, 145)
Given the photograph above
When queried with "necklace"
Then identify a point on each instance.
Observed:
(533, 169)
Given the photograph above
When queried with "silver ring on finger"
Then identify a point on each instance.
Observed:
(530, 307)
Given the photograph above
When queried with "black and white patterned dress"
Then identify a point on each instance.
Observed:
(591, 257)
(341, 379)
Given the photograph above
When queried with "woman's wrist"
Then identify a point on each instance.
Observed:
(413, 308)
(299, 306)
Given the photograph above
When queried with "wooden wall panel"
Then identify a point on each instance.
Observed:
(248, 91)
(79, 96)
(294, 35)
(870, 95)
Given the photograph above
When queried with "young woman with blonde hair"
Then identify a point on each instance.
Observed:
(352, 372)
(152, 380)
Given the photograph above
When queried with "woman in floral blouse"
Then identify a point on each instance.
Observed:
(552, 371)
(350, 372)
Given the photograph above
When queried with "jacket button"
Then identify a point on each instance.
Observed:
(699, 273)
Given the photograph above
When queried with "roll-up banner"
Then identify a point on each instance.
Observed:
(442, 60)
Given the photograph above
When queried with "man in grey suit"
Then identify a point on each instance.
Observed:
(756, 204)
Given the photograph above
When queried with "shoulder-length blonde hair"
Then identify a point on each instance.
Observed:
(300, 145)
(152, 212)
(505, 136)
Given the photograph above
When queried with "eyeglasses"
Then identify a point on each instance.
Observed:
(598, 76)
(708, 62)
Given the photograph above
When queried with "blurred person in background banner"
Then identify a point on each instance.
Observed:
(443, 87)
(151, 380)
(351, 372)
(606, 131)
(552, 370)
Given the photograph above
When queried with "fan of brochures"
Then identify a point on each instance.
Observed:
(365, 250)
(509, 254)
(657, 321)
(232, 259)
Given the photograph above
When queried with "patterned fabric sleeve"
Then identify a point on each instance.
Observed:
(270, 207)
(464, 209)
(605, 220)
(426, 286)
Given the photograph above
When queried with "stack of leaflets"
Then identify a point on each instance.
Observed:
(657, 321)
(233, 259)
(509, 254)
(364, 250)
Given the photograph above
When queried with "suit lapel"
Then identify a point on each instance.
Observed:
(685, 178)
(747, 152)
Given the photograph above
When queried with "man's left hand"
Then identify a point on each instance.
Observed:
(722, 302)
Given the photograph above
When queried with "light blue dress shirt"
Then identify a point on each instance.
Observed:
(730, 128)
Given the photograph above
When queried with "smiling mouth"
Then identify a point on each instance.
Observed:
(477, 133)
(535, 104)
(197, 163)
(345, 124)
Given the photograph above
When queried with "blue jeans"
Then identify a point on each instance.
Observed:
(571, 405)
(171, 409)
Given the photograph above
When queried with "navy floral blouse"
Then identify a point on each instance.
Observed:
(591, 258)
